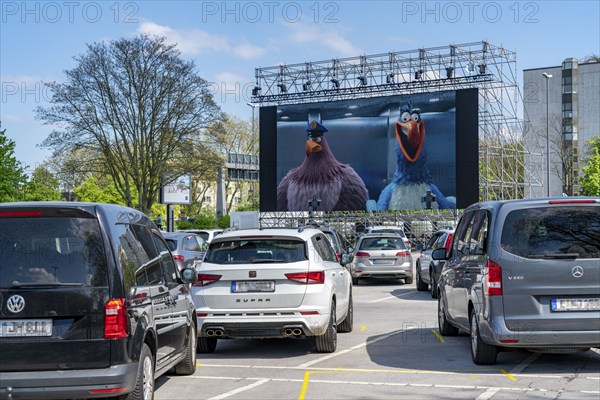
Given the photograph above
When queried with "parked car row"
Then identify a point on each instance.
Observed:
(95, 294)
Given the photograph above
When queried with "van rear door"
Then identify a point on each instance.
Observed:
(550, 261)
(53, 289)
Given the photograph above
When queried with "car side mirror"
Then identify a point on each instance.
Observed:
(189, 275)
(346, 259)
(350, 249)
(439, 254)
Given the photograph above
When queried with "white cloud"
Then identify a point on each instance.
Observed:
(11, 118)
(189, 41)
(248, 51)
(193, 42)
(331, 39)
(231, 79)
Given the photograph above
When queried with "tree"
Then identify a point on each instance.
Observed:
(12, 172)
(43, 186)
(590, 182)
(134, 104)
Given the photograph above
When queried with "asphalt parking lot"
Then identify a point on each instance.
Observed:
(394, 351)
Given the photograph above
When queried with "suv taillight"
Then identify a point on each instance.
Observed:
(115, 319)
(493, 281)
(206, 279)
(307, 278)
(178, 258)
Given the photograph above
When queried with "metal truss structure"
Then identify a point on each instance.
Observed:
(418, 225)
(489, 68)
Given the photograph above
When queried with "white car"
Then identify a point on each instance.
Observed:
(207, 234)
(273, 283)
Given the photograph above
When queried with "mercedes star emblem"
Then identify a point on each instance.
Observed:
(577, 271)
(15, 304)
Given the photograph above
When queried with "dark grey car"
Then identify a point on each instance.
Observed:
(524, 273)
(428, 270)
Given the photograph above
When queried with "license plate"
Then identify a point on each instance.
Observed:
(26, 327)
(383, 262)
(252, 286)
(588, 304)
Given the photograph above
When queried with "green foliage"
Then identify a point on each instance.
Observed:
(43, 186)
(99, 190)
(590, 183)
(12, 174)
(249, 206)
(224, 222)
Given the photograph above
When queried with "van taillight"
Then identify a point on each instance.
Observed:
(493, 281)
(20, 214)
(308, 278)
(115, 319)
(448, 243)
(205, 279)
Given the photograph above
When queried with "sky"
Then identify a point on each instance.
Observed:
(227, 40)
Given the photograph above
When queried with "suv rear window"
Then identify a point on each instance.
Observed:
(257, 251)
(382, 243)
(548, 232)
(38, 251)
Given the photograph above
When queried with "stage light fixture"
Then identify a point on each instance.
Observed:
(418, 74)
(363, 80)
(390, 78)
(282, 87)
(306, 85)
(335, 82)
(449, 72)
(482, 69)
(256, 90)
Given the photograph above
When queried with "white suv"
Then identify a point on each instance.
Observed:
(273, 283)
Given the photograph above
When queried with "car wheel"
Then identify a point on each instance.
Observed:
(355, 281)
(434, 288)
(444, 326)
(187, 366)
(327, 342)
(144, 382)
(207, 344)
(421, 286)
(408, 280)
(481, 352)
(346, 325)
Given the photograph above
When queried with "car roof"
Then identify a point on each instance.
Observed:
(497, 204)
(179, 235)
(383, 234)
(301, 233)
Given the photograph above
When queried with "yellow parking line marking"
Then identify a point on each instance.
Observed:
(307, 375)
(437, 335)
(362, 328)
(510, 376)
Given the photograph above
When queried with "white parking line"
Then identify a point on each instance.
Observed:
(239, 390)
(525, 363)
(488, 394)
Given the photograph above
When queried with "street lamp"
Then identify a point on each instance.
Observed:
(547, 76)
(252, 145)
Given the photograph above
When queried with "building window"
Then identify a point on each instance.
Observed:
(207, 199)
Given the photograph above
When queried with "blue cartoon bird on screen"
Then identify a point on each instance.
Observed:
(412, 178)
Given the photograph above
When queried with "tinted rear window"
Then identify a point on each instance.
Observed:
(547, 231)
(51, 250)
(257, 251)
(383, 243)
(172, 243)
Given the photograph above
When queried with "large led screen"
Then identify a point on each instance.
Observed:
(400, 152)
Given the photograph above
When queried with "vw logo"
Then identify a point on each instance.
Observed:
(15, 304)
(577, 271)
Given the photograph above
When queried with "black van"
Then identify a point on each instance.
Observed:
(91, 303)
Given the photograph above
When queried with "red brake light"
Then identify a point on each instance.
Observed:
(448, 243)
(493, 281)
(206, 279)
(403, 253)
(115, 319)
(339, 256)
(308, 278)
(104, 391)
(574, 201)
(178, 258)
(362, 254)
(20, 214)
